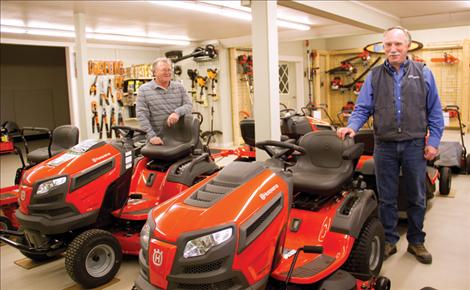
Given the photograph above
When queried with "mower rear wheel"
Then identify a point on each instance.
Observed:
(5, 223)
(445, 179)
(367, 254)
(93, 258)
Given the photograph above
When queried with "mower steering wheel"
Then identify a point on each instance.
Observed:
(286, 148)
(287, 113)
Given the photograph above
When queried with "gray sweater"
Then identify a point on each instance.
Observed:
(155, 104)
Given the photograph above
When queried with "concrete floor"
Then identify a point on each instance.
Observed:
(448, 234)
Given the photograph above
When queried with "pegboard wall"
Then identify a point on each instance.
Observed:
(446, 63)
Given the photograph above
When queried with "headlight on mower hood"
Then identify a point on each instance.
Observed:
(201, 245)
(145, 237)
(48, 185)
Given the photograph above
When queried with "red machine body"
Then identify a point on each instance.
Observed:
(256, 225)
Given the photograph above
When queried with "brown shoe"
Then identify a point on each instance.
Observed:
(420, 252)
(389, 250)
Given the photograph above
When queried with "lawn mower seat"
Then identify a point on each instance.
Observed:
(327, 165)
(247, 128)
(63, 137)
(179, 140)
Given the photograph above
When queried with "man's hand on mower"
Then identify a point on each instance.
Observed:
(343, 132)
(156, 141)
(430, 152)
(172, 119)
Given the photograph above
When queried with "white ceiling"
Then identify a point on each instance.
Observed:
(140, 17)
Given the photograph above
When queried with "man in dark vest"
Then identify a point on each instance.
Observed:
(402, 97)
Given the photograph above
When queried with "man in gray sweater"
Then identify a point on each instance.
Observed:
(161, 100)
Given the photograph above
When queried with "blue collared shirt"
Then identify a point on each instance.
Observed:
(365, 104)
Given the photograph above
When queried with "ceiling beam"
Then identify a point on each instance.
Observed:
(347, 12)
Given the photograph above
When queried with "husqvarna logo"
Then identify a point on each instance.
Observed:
(268, 192)
(100, 157)
(157, 257)
(22, 195)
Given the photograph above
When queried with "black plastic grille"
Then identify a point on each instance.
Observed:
(204, 268)
(210, 193)
(223, 285)
(252, 228)
(94, 173)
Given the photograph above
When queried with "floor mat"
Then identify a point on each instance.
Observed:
(27, 263)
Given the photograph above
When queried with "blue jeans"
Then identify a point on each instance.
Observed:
(389, 157)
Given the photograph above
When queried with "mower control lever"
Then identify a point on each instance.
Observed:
(306, 249)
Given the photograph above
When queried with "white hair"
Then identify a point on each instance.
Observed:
(405, 31)
(158, 60)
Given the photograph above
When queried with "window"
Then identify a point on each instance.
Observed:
(283, 79)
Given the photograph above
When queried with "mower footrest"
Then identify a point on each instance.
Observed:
(312, 268)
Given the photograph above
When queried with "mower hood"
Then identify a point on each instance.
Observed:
(239, 194)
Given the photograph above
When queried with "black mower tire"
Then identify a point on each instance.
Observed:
(383, 283)
(367, 254)
(445, 180)
(93, 258)
(5, 223)
(468, 163)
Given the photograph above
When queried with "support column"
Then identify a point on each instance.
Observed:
(265, 72)
(81, 69)
(225, 98)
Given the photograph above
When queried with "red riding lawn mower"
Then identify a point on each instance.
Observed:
(258, 226)
(60, 139)
(293, 126)
(92, 201)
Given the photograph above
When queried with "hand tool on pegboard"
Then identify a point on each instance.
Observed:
(109, 92)
(202, 82)
(94, 119)
(246, 63)
(112, 122)
(104, 122)
(212, 75)
(192, 74)
(93, 87)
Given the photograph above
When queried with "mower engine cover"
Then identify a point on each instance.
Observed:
(66, 191)
(227, 231)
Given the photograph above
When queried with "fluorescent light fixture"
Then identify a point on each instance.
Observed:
(10, 29)
(125, 38)
(93, 35)
(50, 32)
(12, 22)
(47, 25)
(205, 8)
(285, 19)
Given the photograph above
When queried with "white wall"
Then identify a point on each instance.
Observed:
(427, 37)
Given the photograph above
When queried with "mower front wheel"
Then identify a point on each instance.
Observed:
(445, 179)
(5, 223)
(367, 254)
(93, 258)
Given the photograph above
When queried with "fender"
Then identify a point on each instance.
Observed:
(353, 213)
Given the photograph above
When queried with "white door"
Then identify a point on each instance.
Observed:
(287, 84)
